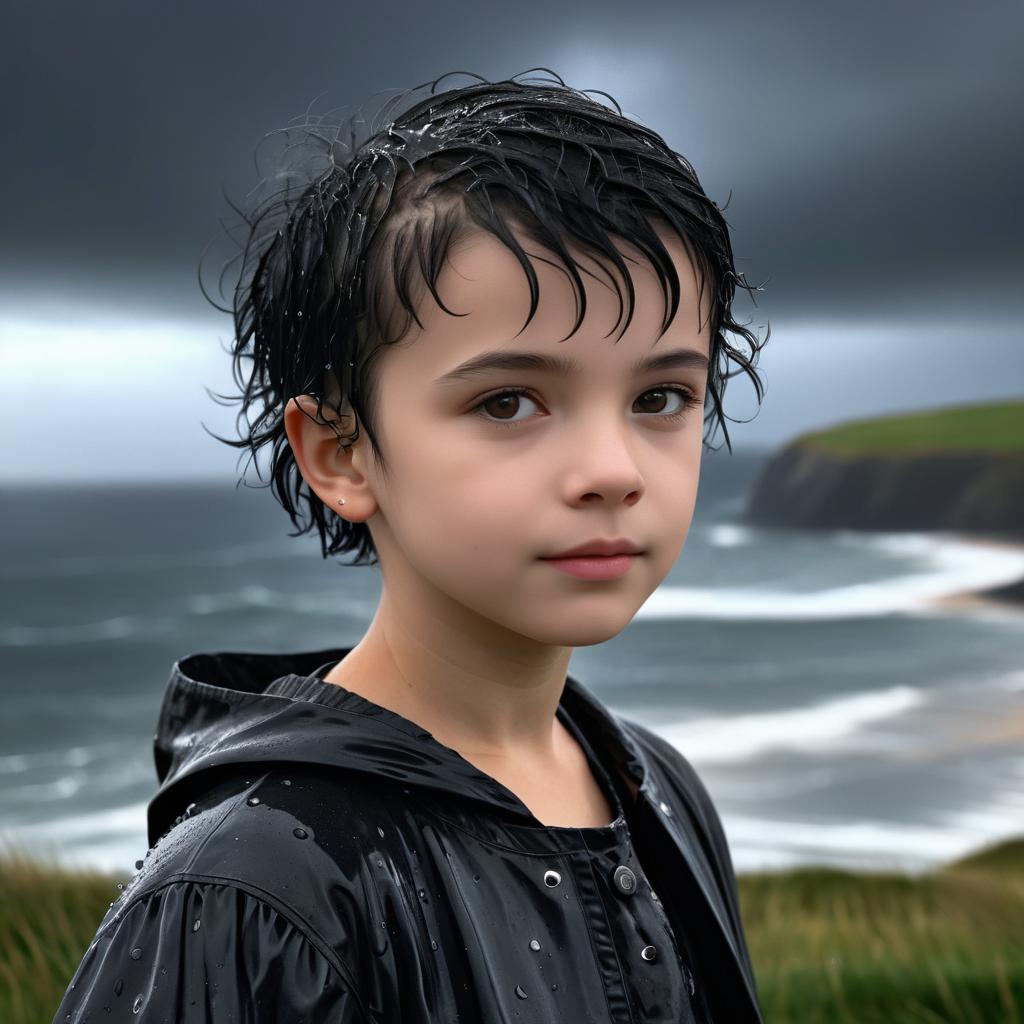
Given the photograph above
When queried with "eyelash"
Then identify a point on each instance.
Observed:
(690, 400)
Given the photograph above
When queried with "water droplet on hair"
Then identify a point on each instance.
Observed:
(380, 831)
(253, 801)
(288, 782)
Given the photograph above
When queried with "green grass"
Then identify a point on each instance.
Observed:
(992, 427)
(828, 946)
(832, 946)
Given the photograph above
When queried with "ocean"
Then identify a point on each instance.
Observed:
(836, 712)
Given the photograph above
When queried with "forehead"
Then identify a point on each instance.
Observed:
(483, 279)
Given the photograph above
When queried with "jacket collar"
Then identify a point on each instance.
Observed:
(241, 708)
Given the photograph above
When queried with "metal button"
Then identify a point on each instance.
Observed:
(648, 952)
(624, 880)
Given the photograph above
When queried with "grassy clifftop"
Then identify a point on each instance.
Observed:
(992, 427)
(958, 469)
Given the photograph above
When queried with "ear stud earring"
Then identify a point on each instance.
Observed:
(341, 501)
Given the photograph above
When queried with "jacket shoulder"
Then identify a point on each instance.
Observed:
(205, 951)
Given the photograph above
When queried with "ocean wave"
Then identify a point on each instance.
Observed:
(829, 726)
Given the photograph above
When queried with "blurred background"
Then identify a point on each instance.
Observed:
(843, 697)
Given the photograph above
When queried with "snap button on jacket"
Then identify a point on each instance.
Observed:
(316, 857)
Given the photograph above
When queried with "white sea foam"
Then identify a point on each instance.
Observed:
(950, 566)
(829, 726)
(759, 844)
(110, 840)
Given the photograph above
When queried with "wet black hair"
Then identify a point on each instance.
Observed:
(328, 262)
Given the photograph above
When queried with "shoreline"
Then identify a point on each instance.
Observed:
(1008, 597)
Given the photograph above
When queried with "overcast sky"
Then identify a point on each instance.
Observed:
(869, 150)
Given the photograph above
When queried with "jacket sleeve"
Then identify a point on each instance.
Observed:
(208, 953)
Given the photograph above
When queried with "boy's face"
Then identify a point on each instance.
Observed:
(472, 506)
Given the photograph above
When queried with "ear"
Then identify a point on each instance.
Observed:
(331, 471)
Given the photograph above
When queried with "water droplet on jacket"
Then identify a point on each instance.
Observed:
(552, 878)
(118, 986)
(137, 1005)
(138, 865)
(534, 944)
(188, 810)
(476, 878)
(433, 944)
(380, 863)
(380, 831)
(288, 782)
(422, 894)
(253, 801)
(195, 927)
(136, 953)
(554, 987)
(299, 833)
(520, 991)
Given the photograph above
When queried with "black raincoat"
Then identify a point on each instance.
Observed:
(316, 857)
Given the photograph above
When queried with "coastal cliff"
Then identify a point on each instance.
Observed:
(958, 469)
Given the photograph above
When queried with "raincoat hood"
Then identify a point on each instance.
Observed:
(378, 876)
(238, 709)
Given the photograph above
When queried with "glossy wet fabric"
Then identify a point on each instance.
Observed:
(316, 857)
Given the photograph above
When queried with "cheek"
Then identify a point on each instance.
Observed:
(450, 515)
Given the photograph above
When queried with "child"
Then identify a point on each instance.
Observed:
(440, 824)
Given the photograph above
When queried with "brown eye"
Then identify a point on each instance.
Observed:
(509, 400)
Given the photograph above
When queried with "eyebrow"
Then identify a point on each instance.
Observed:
(677, 359)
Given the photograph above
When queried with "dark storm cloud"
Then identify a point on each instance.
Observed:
(869, 148)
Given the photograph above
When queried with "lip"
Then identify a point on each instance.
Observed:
(593, 567)
(599, 548)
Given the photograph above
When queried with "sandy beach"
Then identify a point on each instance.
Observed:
(1006, 598)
